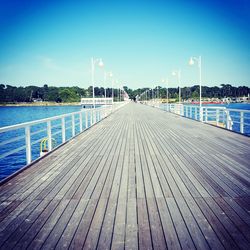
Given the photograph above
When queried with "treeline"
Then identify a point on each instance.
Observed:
(12, 94)
(225, 90)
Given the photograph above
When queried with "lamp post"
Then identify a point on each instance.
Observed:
(148, 96)
(158, 93)
(177, 73)
(155, 95)
(192, 61)
(93, 63)
(152, 96)
(166, 81)
(117, 90)
(112, 91)
(106, 74)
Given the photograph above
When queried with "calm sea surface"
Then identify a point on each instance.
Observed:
(15, 115)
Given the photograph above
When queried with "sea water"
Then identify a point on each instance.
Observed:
(15, 115)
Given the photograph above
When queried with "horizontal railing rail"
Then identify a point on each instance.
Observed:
(21, 142)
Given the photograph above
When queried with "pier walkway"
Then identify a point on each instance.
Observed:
(140, 179)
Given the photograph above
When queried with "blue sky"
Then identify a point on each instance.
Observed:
(51, 42)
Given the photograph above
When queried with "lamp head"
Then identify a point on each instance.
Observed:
(191, 61)
(101, 64)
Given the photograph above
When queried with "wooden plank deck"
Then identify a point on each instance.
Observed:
(140, 179)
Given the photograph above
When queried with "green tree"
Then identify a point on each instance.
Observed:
(195, 95)
(68, 95)
(53, 94)
(2, 93)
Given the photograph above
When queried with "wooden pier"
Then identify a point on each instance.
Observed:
(140, 179)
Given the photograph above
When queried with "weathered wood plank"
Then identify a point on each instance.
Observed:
(140, 179)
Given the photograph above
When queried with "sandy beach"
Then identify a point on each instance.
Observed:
(41, 104)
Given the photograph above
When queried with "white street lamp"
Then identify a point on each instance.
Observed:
(106, 74)
(154, 95)
(177, 73)
(112, 91)
(166, 81)
(117, 90)
(192, 61)
(93, 63)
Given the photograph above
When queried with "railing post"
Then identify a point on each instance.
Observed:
(73, 125)
(86, 119)
(223, 118)
(201, 114)
(63, 130)
(101, 114)
(195, 113)
(227, 113)
(91, 117)
(49, 135)
(80, 121)
(242, 122)
(217, 117)
(94, 116)
(28, 144)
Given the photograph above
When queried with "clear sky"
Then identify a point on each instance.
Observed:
(51, 42)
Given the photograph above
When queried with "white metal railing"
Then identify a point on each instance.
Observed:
(237, 120)
(27, 136)
(97, 101)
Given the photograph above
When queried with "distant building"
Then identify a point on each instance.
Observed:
(37, 100)
(243, 99)
(227, 100)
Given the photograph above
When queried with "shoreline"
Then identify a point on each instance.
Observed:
(37, 104)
